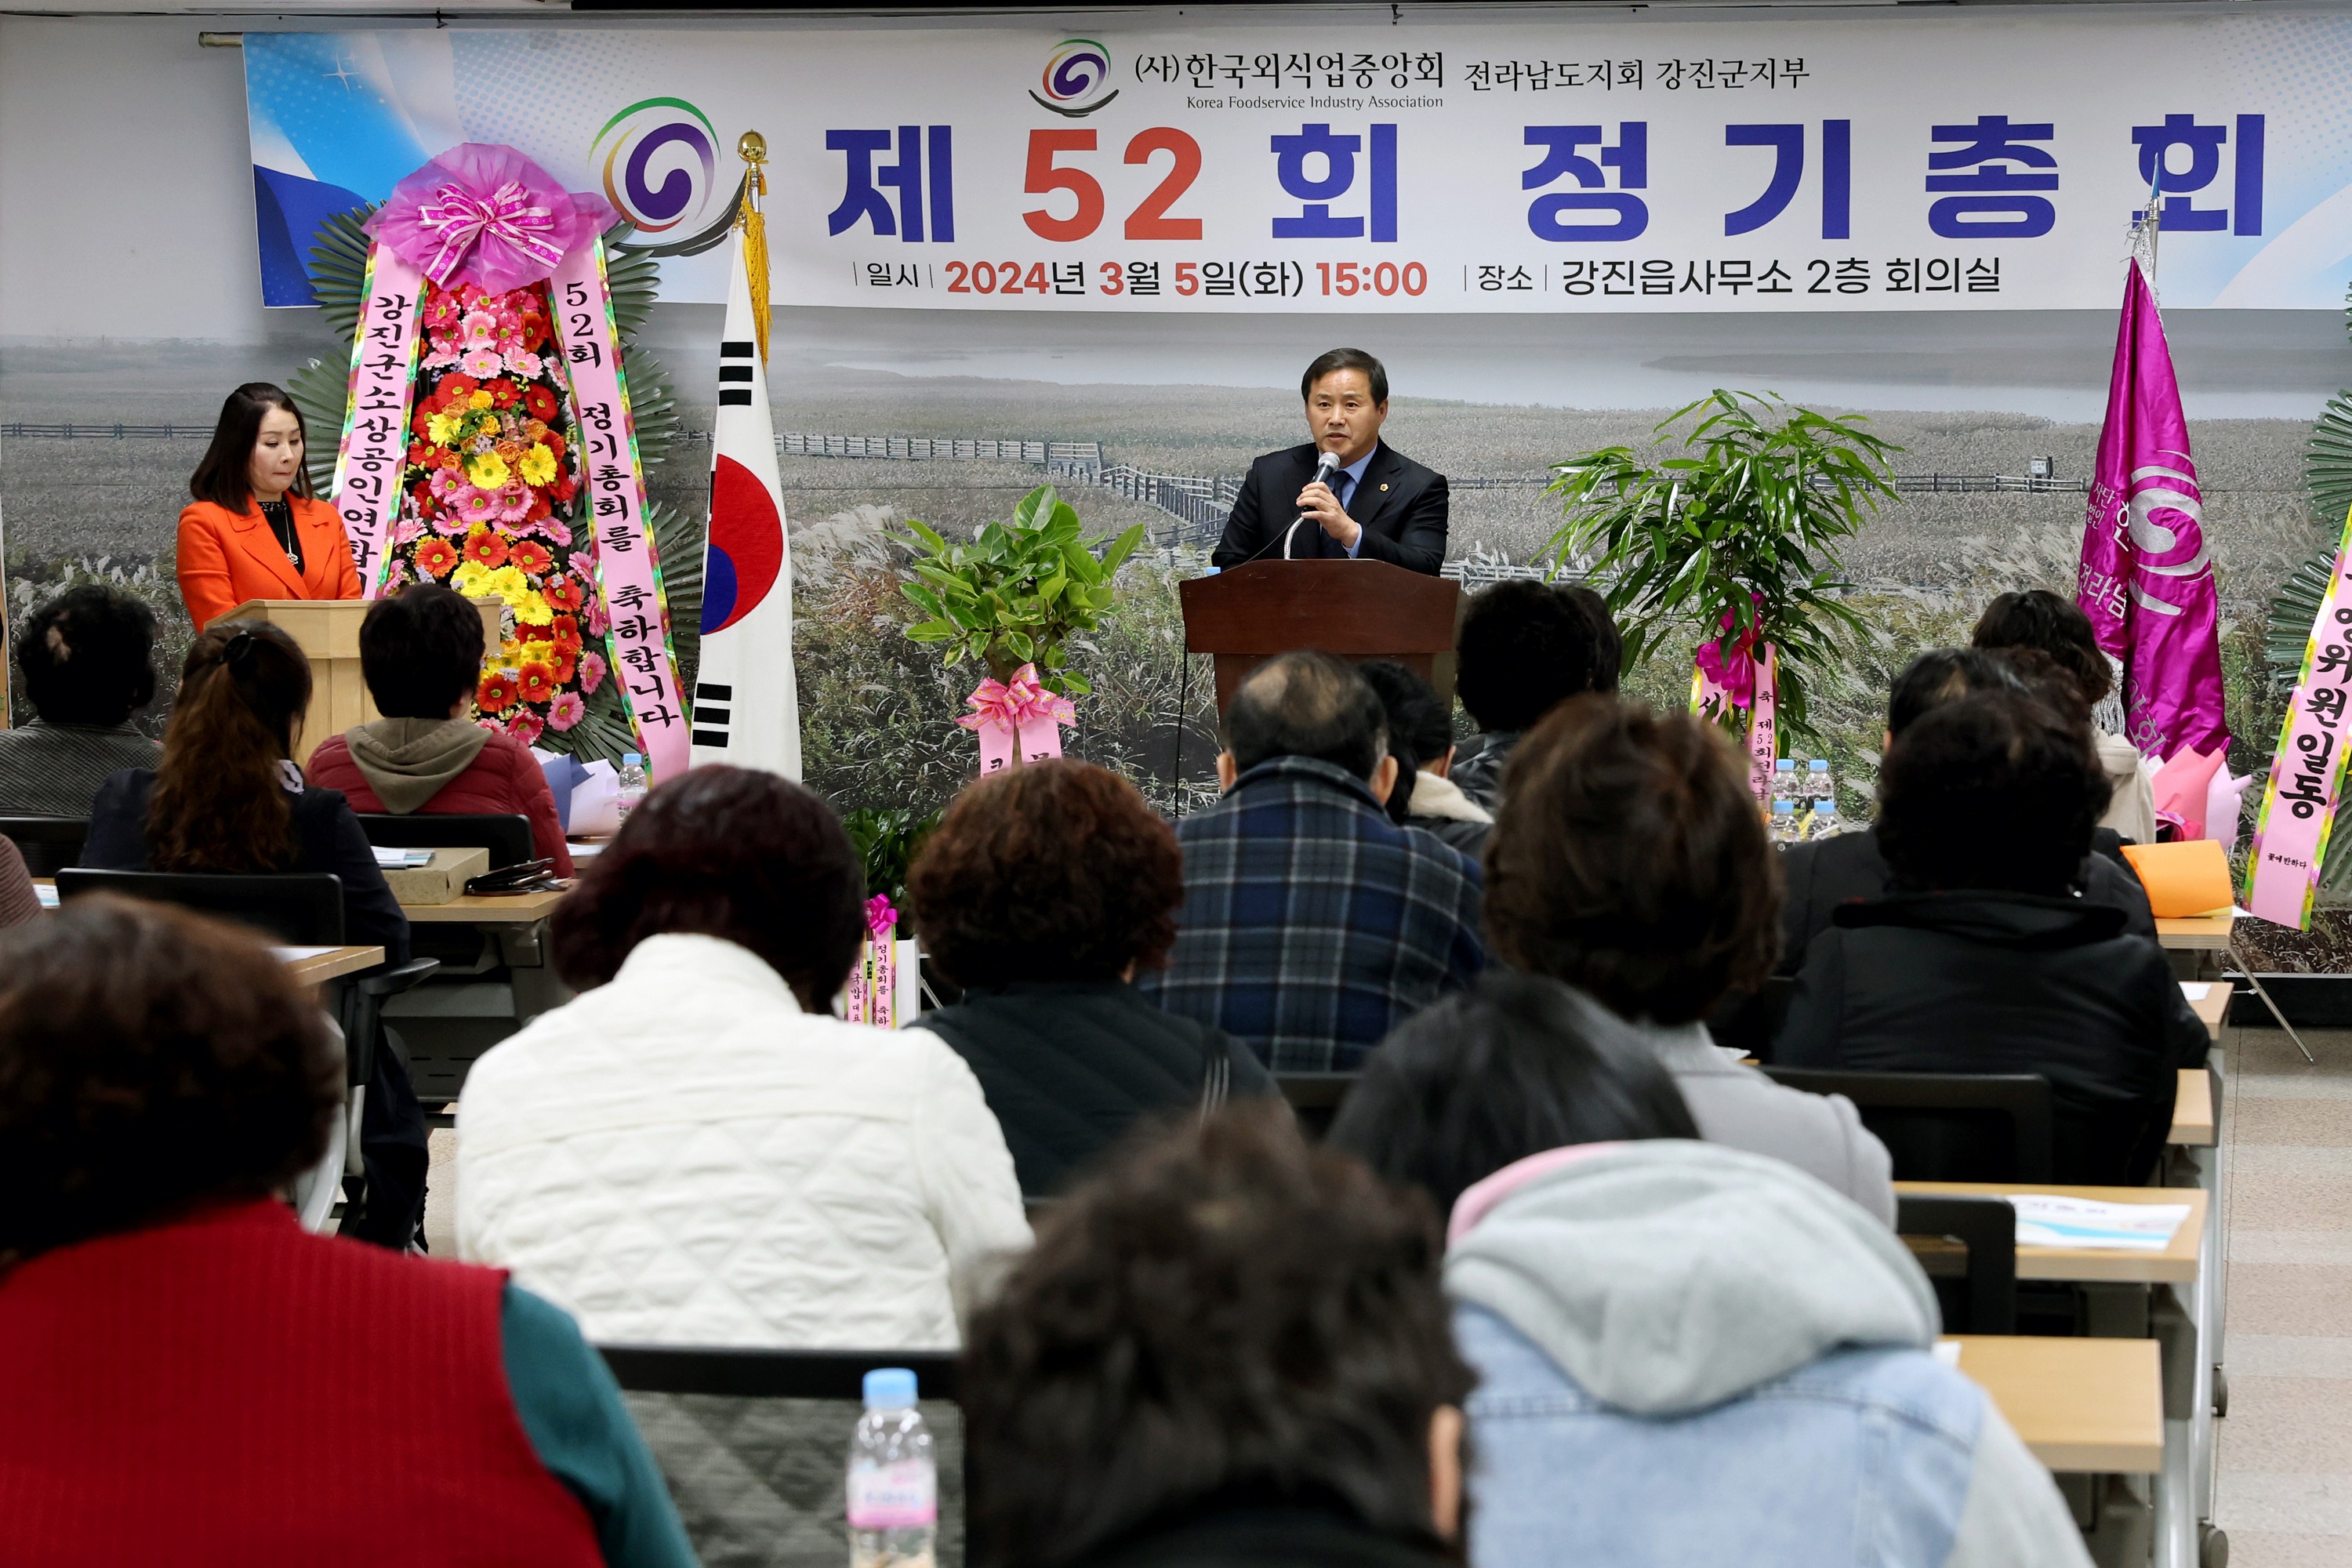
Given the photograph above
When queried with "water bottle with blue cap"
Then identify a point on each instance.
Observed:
(894, 1482)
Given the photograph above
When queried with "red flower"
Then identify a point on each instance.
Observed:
(563, 489)
(436, 557)
(497, 693)
(453, 387)
(418, 452)
(555, 442)
(533, 557)
(563, 662)
(540, 508)
(564, 594)
(541, 402)
(503, 393)
(565, 630)
(526, 632)
(535, 682)
(486, 549)
(425, 412)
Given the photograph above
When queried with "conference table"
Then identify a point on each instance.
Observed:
(317, 965)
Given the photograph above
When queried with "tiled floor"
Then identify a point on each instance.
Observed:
(2285, 1490)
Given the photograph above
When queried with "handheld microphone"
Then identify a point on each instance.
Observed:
(1326, 466)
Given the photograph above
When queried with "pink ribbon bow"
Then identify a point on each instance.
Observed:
(1732, 671)
(486, 215)
(1008, 705)
(880, 916)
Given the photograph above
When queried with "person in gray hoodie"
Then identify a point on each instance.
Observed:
(1686, 1353)
(1630, 861)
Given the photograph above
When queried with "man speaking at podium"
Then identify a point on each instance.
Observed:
(1343, 494)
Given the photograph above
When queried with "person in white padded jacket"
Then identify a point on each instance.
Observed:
(694, 1150)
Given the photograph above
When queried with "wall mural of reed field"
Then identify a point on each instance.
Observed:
(884, 417)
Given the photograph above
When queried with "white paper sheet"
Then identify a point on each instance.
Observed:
(2045, 1220)
(297, 954)
(2196, 990)
(401, 859)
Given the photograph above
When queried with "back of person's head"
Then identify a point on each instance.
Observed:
(1223, 1315)
(1421, 732)
(734, 853)
(1482, 1078)
(2057, 687)
(88, 657)
(1944, 674)
(1054, 871)
(1994, 790)
(1610, 646)
(1524, 647)
(150, 1061)
(220, 801)
(421, 651)
(1630, 860)
(1306, 704)
(2039, 619)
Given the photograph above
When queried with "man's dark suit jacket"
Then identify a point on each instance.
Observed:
(1399, 505)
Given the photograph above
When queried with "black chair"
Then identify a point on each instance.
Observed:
(1314, 1097)
(1986, 1302)
(1947, 1127)
(300, 909)
(50, 844)
(507, 837)
(792, 1374)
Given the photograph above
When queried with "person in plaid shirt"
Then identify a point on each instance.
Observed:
(1312, 924)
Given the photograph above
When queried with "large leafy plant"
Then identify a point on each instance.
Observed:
(1019, 591)
(1731, 526)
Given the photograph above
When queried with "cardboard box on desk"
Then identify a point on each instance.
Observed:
(439, 880)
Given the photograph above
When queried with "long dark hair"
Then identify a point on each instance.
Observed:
(225, 476)
(220, 801)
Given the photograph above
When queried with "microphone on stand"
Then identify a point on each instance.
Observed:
(1326, 466)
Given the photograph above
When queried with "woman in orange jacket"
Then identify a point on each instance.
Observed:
(255, 531)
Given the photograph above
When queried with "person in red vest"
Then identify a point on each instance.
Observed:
(421, 655)
(191, 1378)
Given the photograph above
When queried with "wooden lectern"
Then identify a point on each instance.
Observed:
(328, 631)
(1356, 609)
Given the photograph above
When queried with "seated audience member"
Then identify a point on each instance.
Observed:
(1686, 1353)
(2039, 619)
(1849, 868)
(695, 1152)
(421, 653)
(188, 1376)
(1228, 1349)
(1992, 966)
(226, 795)
(1311, 923)
(1040, 893)
(1630, 861)
(19, 902)
(1421, 739)
(87, 659)
(1523, 649)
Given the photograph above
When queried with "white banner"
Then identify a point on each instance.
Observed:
(1976, 160)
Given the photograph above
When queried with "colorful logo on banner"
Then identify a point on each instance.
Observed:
(1075, 73)
(2299, 802)
(659, 162)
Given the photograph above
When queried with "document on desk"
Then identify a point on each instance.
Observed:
(401, 859)
(2044, 1220)
(47, 892)
(297, 954)
(2196, 990)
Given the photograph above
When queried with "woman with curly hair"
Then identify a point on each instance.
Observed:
(188, 1377)
(1630, 861)
(696, 1151)
(1040, 893)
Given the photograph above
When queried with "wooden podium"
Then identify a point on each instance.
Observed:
(328, 632)
(1356, 609)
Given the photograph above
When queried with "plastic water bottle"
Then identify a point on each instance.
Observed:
(894, 1483)
(1817, 781)
(1784, 779)
(1784, 822)
(632, 778)
(1823, 822)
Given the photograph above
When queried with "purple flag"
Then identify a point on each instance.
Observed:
(2146, 582)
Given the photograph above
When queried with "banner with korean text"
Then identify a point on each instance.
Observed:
(1690, 163)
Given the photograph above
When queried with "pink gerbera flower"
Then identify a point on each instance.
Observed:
(592, 672)
(481, 363)
(527, 366)
(566, 710)
(479, 329)
(409, 531)
(514, 502)
(525, 726)
(473, 505)
(443, 356)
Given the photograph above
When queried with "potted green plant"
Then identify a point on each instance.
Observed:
(1736, 532)
(1019, 591)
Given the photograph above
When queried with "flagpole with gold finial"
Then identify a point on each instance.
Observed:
(753, 149)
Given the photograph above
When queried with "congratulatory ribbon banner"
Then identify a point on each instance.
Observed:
(1859, 163)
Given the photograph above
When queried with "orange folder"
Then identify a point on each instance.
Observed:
(2190, 877)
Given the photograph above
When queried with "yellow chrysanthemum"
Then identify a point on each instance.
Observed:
(472, 580)
(532, 609)
(539, 467)
(479, 400)
(439, 428)
(487, 470)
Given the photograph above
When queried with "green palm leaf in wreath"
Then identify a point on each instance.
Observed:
(320, 390)
(678, 540)
(2327, 463)
(339, 258)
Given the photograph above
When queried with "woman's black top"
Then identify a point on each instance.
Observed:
(280, 516)
(330, 837)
